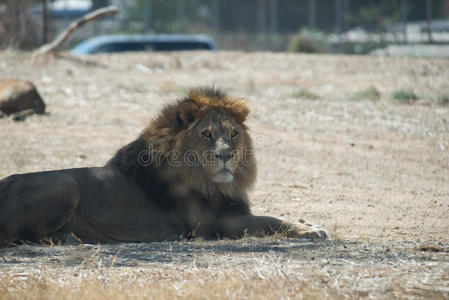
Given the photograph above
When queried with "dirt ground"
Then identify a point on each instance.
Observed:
(374, 174)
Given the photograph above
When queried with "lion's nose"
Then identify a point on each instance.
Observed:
(224, 156)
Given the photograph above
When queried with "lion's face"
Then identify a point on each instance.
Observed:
(204, 139)
(219, 140)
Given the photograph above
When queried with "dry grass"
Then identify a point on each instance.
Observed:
(188, 282)
(245, 269)
(374, 174)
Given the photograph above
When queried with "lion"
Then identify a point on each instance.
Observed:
(187, 175)
(20, 98)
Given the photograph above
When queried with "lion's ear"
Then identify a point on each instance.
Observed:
(187, 112)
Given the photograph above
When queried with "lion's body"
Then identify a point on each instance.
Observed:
(147, 191)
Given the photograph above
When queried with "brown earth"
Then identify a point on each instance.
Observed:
(375, 174)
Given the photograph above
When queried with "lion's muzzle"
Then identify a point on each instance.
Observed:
(224, 173)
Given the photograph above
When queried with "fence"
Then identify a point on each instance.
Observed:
(240, 24)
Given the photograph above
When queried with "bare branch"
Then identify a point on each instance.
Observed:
(56, 44)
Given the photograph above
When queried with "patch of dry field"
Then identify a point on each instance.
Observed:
(375, 174)
(250, 268)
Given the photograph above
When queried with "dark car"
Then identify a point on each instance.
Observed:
(126, 43)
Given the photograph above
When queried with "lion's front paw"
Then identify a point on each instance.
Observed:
(307, 231)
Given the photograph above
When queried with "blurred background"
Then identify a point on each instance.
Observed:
(313, 26)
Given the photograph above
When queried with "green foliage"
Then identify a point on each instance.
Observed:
(443, 99)
(405, 96)
(376, 15)
(305, 94)
(371, 93)
(308, 41)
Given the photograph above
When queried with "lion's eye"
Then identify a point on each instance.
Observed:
(234, 134)
(207, 133)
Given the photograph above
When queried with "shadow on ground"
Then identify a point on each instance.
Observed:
(133, 254)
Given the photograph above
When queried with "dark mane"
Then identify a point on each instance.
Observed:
(169, 132)
(129, 158)
(198, 103)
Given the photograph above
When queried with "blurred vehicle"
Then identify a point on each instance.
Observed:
(126, 43)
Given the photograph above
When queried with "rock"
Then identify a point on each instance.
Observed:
(21, 98)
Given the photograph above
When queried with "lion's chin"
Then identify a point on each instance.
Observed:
(223, 177)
